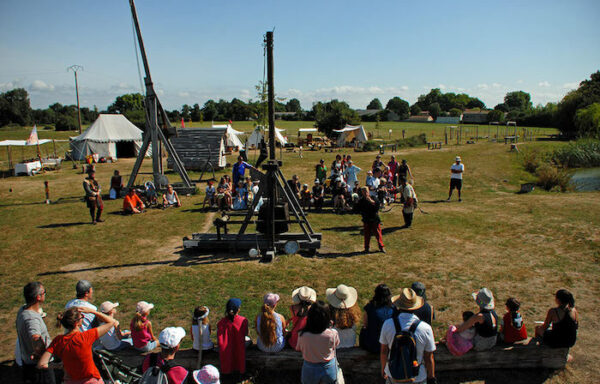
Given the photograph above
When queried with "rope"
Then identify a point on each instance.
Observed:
(137, 58)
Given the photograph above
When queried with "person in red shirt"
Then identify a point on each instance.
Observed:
(74, 348)
(513, 328)
(132, 202)
(231, 336)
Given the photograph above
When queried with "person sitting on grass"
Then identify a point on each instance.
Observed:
(74, 347)
(169, 340)
(209, 195)
(338, 193)
(141, 328)
(270, 325)
(485, 322)
(564, 320)
(132, 203)
(344, 313)
(512, 328)
(305, 197)
(241, 195)
(318, 194)
(171, 198)
(377, 311)
(224, 199)
(116, 183)
(114, 339)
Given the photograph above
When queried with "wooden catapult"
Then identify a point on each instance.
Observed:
(273, 219)
(157, 132)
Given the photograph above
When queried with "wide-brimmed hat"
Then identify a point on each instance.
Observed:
(484, 298)
(341, 296)
(271, 299)
(209, 374)
(407, 300)
(304, 293)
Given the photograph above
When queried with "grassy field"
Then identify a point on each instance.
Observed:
(525, 246)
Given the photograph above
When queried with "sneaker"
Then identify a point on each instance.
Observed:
(99, 221)
(382, 250)
(459, 199)
(448, 199)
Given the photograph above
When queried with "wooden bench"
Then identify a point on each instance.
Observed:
(392, 147)
(358, 361)
(434, 145)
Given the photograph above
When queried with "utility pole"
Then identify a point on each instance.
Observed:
(76, 68)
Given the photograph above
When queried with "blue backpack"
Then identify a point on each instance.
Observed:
(402, 360)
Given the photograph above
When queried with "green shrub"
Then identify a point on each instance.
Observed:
(550, 177)
(533, 158)
(582, 153)
(66, 123)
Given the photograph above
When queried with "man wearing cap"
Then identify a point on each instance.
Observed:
(406, 303)
(410, 202)
(457, 169)
(169, 340)
(85, 294)
(93, 197)
(425, 313)
(350, 173)
(32, 335)
(368, 207)
(321, 171)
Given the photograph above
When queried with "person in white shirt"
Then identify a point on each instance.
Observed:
(410, 202)
(85, 294)
(350, 174)
(457, 169)
(406, 303)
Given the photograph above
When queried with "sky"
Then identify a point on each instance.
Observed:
(349, 50)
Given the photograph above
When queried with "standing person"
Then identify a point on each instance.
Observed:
(74, 348)
(457, 169)
(116, 183)
(426, 312)
(377, 163)
(231, 336)
(485, 322)
(32, 335)
(85, 295)
(422, 333)
(368, 207)
(318, 342)
(169, 340)
(564, 320)
(238, 170)
(404, 171)
(377, 311)
(270, 325)
(200, 322)
(302, 299)
(410, 202)
(351, 174)
(321, 171)
(93, 198)
(393, 165)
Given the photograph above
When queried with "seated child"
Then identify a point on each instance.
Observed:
(209, 196)
(170, 198)
(239, 203)
(200, 319)
(305, 197)
(460, 343)
(114, 339)
(512, 327)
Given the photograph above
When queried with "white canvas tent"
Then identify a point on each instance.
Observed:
(232, 136)
(257, 135)
(110, 136)
(349, 133)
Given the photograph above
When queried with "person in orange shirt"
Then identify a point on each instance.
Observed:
(132, 202)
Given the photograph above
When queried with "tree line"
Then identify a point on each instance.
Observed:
(577, 114)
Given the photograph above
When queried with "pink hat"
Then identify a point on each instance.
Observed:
(107, 306)
(271, 299)
(143, 306)
(209, 374)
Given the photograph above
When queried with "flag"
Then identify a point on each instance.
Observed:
(182, 123)
(33, 136)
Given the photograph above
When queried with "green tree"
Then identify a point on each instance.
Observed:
(587, 121)
(209, 110)
(434, 96)
(399, 107)
(455, 112)
(587, 93)
(334, 115)
(415, 109)
(495, 115)
(186, 112)
(518, 100)
(435, 110)
(126, 103)
(196, 114)
(475, 103)
(15, 107)
(375, 104)
(293, 106)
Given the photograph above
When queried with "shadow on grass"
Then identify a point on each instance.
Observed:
(350, 228)
(434, 201)
(334, 255)
(61, 225)
(386, 231)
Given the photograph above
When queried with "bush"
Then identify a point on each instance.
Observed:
(582, 153)
(66, 123)
(532, 159)
(550, 177)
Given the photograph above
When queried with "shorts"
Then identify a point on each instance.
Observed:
(456, 183)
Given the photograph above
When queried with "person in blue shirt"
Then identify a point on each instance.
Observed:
(239, 169)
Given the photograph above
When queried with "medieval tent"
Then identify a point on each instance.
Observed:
(257, 136)
(349, 134)
(232, 136)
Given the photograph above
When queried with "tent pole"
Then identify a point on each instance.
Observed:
(54, 147)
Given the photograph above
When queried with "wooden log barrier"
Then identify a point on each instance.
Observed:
(358, 361)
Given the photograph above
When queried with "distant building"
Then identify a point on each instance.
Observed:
(448, 119)
(420, 119)
(371, 114)
(284, 115)
(473, 116)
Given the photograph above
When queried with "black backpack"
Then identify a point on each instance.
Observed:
(402, 360)
(155, 374)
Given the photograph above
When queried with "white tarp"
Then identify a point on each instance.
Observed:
(308, 130)
(232, 136)
(102, 137)
(257, 135)
(350, 132)
(23, 143)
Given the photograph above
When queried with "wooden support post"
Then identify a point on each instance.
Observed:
(9, 150)
(446, 135)
(54, 148)
(477, 134)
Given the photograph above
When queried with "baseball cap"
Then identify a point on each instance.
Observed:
(271, 299)
(143, 306)
(108, 306)
(171, 337)
(209, 374)
(233, 304)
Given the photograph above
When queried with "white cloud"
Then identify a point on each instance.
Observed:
(573, 85)
(39, 85)
(544, 84)
(519, 81)
(496, 85)
(183, 94)
(482, 86)
(441, 87)
(404, 88)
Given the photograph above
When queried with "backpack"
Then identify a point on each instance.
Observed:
(402, 361)
(155, 374)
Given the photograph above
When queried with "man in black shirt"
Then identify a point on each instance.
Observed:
(368, 207)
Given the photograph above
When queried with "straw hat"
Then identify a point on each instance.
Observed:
(342, 296)
(484, 298)
(304, 293)
(408, 300)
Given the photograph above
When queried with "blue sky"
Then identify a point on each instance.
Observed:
(350, 50)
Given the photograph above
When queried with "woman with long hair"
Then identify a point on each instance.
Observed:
(318, 341)
(377, 311)
(564, 320)
(74, 348)
(302, 299)
(270, 325)
(344, 313)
